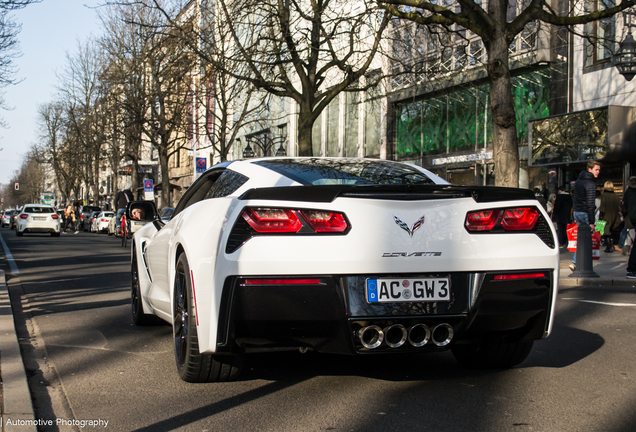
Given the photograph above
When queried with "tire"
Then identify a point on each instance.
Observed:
(54, 234)
(139, 317)
(191, 365)
(492, 354)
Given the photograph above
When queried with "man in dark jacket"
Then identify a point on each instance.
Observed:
(629, 199)
(583, 199)
(562, 214)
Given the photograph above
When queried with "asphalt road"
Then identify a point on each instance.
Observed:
(87, 361)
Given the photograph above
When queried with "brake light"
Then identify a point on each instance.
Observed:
(325, 221)
(24, 216)
(82, 216)
(272, 220)
(519, 219)
(55, 216)
(483, 220)
(520, 276)
(104, 220)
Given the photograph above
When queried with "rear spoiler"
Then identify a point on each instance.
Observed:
(328, 193)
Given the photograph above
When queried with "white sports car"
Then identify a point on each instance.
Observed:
(351, 256)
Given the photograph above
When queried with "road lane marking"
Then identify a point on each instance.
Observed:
(7, 253)
(602, 303)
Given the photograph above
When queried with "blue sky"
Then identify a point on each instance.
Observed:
(49, 30)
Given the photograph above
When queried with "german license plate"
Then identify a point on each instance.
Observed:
(408, 290)
(35, 218)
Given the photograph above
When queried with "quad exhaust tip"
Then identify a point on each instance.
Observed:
(396, 335)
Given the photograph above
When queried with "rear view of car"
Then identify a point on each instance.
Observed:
(6, 218)
(38, 218)
(85, 216)
(101, 222)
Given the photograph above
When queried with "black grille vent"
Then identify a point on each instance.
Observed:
(241, 233)
(542, 229)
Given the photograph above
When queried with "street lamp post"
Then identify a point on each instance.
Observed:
(267, 143)
(625, 57)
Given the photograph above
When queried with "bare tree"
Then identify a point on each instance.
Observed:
(497, 28)
(79, 86)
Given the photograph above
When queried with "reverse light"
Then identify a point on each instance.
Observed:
(272, 220)
(483, 220)
(519, 219)
(325, 221)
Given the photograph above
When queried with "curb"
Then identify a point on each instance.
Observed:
(600, 281)
(17, 405)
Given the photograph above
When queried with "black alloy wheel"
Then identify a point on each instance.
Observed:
(191, 364)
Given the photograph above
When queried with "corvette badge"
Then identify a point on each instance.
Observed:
(406, 228)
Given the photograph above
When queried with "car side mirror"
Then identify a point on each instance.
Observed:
(142, 211)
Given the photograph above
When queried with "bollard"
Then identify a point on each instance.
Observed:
(584, 267)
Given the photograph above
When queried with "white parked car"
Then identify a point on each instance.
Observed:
(101, 221)
(38, 218)
(349, 256)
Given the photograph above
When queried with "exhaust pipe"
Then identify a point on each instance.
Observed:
(395, 335)
(371, 336)
(442, 334)
(419, 335)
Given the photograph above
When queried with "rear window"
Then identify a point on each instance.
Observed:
(39, 210)
(109, 214)
(316, 171)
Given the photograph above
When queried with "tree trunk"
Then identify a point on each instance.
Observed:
(505, 149)
(305, 129)
(166, 193)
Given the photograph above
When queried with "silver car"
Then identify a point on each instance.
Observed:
(38, 218)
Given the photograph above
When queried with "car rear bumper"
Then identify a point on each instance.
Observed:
(35, 227)
(333, 315)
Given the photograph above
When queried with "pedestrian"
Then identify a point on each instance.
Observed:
(562, 215)
(69, 215)
(123, 197)
(539, 196)
(550, 204)
(629, 200)
(608, 211)
(584, 200)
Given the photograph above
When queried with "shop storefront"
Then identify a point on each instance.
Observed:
(560, 146)
(451, 133)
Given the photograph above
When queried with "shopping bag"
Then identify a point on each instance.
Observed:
(572, 230)
(596, 241)
(600, 226)
(596, 245)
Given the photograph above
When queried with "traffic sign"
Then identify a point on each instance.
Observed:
(201, 165)
(149, 194)
(17, 186)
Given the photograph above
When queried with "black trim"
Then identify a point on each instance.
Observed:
(392, 192)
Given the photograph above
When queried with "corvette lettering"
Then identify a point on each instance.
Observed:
(409, 254)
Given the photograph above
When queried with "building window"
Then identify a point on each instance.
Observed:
(599, 44)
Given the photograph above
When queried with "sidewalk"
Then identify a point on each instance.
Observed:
(16, 399)
(611, 268)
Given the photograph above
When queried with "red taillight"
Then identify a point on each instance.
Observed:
(519, 219)
(520, 276)
(105, 220)
(272, 220)
(55, 216)
(483, 220)
(82, 217)
(325, 221)
(24, 216)
(282, 281)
